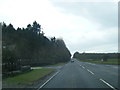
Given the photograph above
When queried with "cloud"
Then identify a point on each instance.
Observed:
(96, 25)
(84, 26)
(23, 12)
(102, 12)
(93, 41)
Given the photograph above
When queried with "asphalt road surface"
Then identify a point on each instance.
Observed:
(85, 75)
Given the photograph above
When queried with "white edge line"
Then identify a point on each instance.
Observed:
(48, 80)
(90, 71)
(83, 67)
(108, 84)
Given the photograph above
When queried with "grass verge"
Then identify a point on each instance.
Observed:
(29, 77)
(51, 65)
(110, 61)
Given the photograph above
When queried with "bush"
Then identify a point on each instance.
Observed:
(25, 68)
(10, 74)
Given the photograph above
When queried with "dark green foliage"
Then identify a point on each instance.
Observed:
(105, 57)
(76, 55)
(36, 27)
(29, 46)
(95, 56)
(25, 68)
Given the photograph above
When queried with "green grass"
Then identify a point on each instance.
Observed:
(29, 77)
(110, 61)
(51, 65)
(55, 64)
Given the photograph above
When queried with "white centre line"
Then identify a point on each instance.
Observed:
(48, 80)
(108, 84)
(83, 67)
(90, 71)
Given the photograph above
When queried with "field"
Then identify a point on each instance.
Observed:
(110, 61)
(51, 65)
(29, 77)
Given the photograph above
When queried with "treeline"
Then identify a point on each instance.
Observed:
(29, 46)
(95, 56)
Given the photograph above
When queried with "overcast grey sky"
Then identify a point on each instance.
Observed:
(84, 25)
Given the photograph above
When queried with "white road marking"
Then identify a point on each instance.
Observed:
(115, 67)
(107, 65)
(36, 67)
(108, 84)
(90, 71)
(91, 63)
(48, 80)
(83, 67)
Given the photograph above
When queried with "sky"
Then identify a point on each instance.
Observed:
(84, 25)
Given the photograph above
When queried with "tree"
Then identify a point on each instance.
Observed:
(29, 27)
(36, 27)
(76, 55)
(105, 57)
(53, 39)
(10, 28)
(18, 29)
(31, 48)
(4, 26)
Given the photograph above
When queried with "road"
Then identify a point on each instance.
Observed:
(85, 75)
